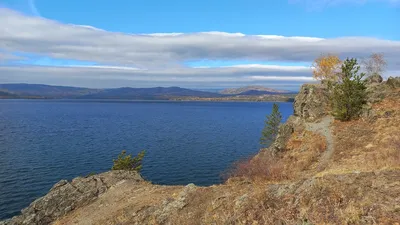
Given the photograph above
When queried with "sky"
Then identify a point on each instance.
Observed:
(192, 44)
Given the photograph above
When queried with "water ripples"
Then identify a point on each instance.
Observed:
(42, 142)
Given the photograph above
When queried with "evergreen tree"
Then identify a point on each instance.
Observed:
(271, 126)
(350, 93)
(126, 162)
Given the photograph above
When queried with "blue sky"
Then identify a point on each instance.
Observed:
(218, 44)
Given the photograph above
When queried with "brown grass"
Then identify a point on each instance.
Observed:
(368, 146)
(300, 159)
(266, 168)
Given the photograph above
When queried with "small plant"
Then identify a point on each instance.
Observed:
(126, 162)
(271, 126)
(350, 93)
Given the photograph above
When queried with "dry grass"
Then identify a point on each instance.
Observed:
(266, 168)
(368, 146)
(299, 160)
(304, 149)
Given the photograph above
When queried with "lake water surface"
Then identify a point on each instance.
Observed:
(44, 141)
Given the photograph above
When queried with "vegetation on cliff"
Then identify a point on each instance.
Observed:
(350, 92)
(127, 162)
(271, 126)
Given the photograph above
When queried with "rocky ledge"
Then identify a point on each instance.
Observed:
(65, 196)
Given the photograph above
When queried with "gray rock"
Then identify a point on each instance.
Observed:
(312, 102)
(284, 133)
(393, 82)
(65, 196)
(374, 79)
(173, 205)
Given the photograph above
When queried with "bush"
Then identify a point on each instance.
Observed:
(267, 167)
(271, 126)
(126, 162)
(350, 92)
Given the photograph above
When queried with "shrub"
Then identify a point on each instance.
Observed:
(126, 162)
(349, 93)
(271, 126)
(266, 167)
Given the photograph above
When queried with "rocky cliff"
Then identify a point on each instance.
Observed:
(321, 172)
(66, 196)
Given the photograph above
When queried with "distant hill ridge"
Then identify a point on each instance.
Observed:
(252, 90)
(49, 91)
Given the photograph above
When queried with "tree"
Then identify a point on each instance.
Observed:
(349, 94)
(126, 162)
(271, 126)
(326, 67)
(375, 64)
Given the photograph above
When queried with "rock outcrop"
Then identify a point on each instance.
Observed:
(65, 196)
(284, 133)
(310, 105)
(374, 79)
(393, 82)
(312, 102)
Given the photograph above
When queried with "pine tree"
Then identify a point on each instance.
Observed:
(127, 162)
(350, 93)
(271, 126)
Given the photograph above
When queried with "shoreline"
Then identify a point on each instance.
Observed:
(147, 100)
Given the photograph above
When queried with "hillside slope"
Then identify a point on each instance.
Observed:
(46, 90)
(322, 172)
(148, 93)
(252, 90)
(49, 91)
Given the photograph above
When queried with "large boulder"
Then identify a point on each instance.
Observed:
(65, 196)
(312, 102)
(374, 79)
(393, 82)
(284, 133)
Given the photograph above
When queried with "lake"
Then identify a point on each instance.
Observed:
(44, 141)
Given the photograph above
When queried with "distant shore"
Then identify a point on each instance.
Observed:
(267, 98)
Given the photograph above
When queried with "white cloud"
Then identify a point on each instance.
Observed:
(286, 78)
(159, 58)
(106, 67)
(53, 39)
(274, 67)
(111, 76)
(5, 56)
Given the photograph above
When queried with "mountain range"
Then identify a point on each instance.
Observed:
(155, 93)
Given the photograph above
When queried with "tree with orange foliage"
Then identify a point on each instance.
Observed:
(326, 67)
(375, 64)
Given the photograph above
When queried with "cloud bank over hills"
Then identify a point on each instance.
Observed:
(105, 57)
